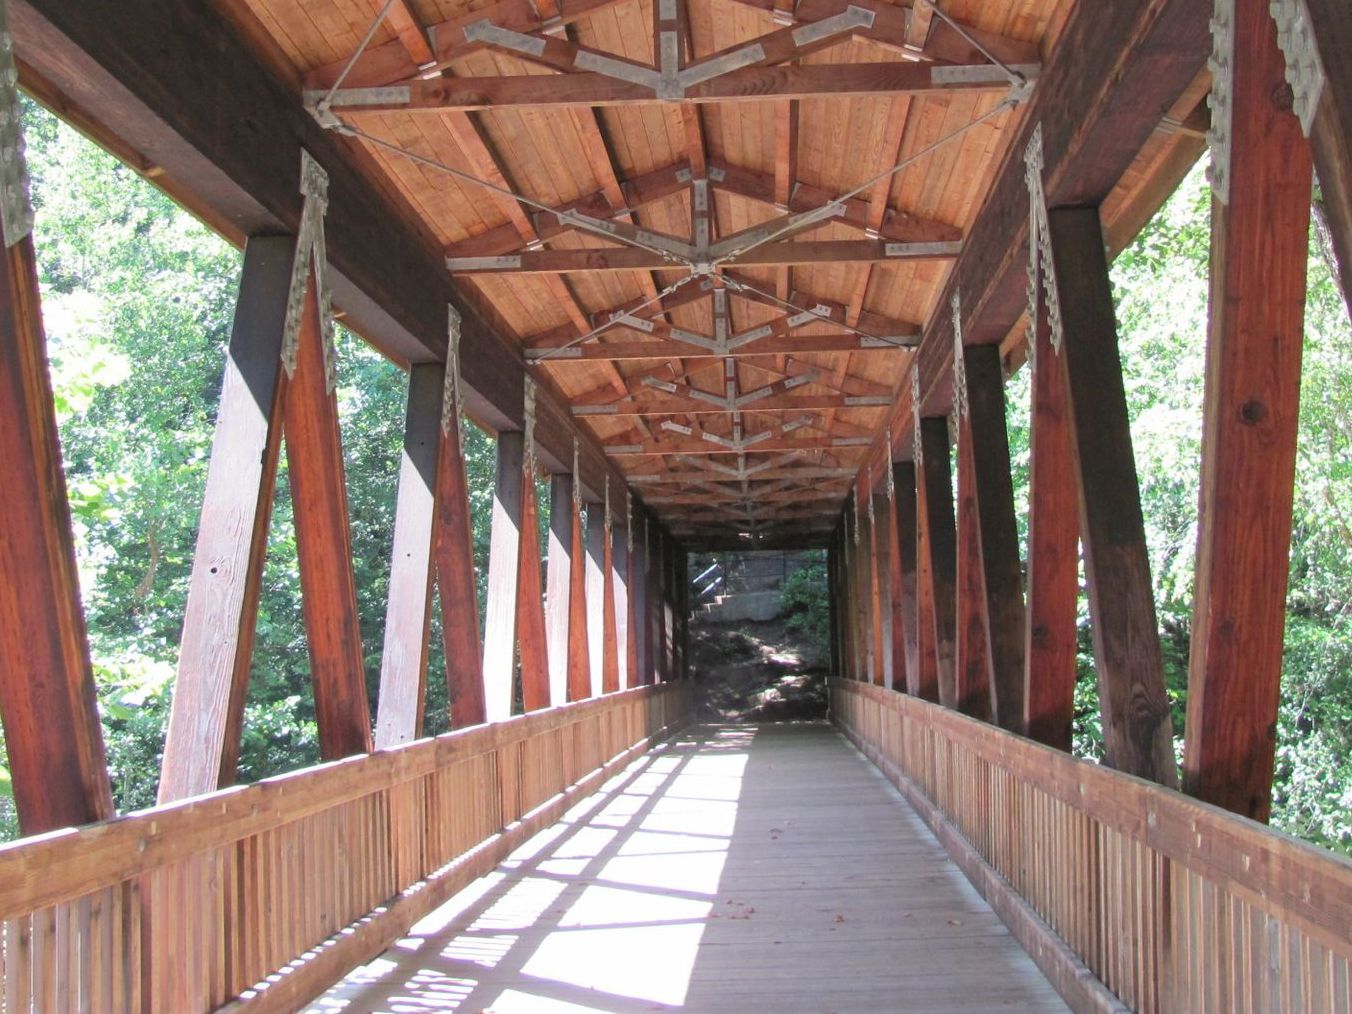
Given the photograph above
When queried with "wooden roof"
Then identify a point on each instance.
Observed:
(736, 386)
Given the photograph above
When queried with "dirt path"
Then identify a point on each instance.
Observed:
(756, 672)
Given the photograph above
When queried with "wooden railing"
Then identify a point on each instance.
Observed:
(1127, 894)
(272, 891)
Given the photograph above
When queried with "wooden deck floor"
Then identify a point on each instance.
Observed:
(742, 868)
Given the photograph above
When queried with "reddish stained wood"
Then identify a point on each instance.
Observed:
(1051, 643)
(408, 613)
(791, 345)
(628, 637)
(641, 672)
(972, 658)
(939, 545)
(499, 658)
(596, 596)
(456, 585)
(579, 656)
(750, 84)
(1002, 576)
(610, 659)
(530, 606)
(908, 621)
(558, 584)
(47, 695)
(1137, 718)
(314, 453)
(880, 530)
(1259, 244)
(202, 744)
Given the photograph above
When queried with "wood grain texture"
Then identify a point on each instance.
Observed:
(202, 743)
(456, 585)
(1137, 719)
(907, 618)
(880, 592)
(727, 907)
(532, 646)
(53, 737)
(500, 616)
(596, 597)
(610, 658)
(1002, 576)
(408, 613)
(972, 662)
(558, 584)
(1332, 134)
(1052, 642)
(1259, 246)
(941, 551)
(314, 452)
(579, 649)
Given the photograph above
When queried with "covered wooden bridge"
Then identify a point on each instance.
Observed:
(731, 273)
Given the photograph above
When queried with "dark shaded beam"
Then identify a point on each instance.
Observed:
(789, 345)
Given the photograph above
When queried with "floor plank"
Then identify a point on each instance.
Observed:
(742, 868)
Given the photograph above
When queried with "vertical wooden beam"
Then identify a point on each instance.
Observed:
(530, 605)
(47, 699)
(1137, 720)
(1051, 644)
(558, 583)
(941, 542)
(314, 452)
(881, 529)
(906, 604)
(661, 639)
(864, 590)
(596, 597)
(408, 613)
(579, 653)
(610, 659)
(624, 641)
(972, 658)
(926, 670)
(638, 604)
(202, 745)
(1259, 243)
(1002, 575)
(456, 584)
(499, 665)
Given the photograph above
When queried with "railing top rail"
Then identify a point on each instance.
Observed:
(65, 864)
(1288, 877)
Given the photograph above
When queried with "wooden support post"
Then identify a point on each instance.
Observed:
(624, 606)
(926, 670)
(941, 553)
(408, 614)
(864, 590)
(833, 600)
(47, 699)
(906, 625)
(596, 597)
(456, 584)
(579, 653)
(1137, 720)
(499, 665)
(610, 658)
(1051, 644)
(1002, 576)
(314, 452)
(972, 657)
(202, 745)
(1259, 243)
(530, 605)
(558, 584)
(655, 602)
(881, 529)
(640, 673)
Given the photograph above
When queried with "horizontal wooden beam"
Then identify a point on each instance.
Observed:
(697, 446)
(691, 406)
(632, 258)
(786, 472)
(790, 345)
(750, 84)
